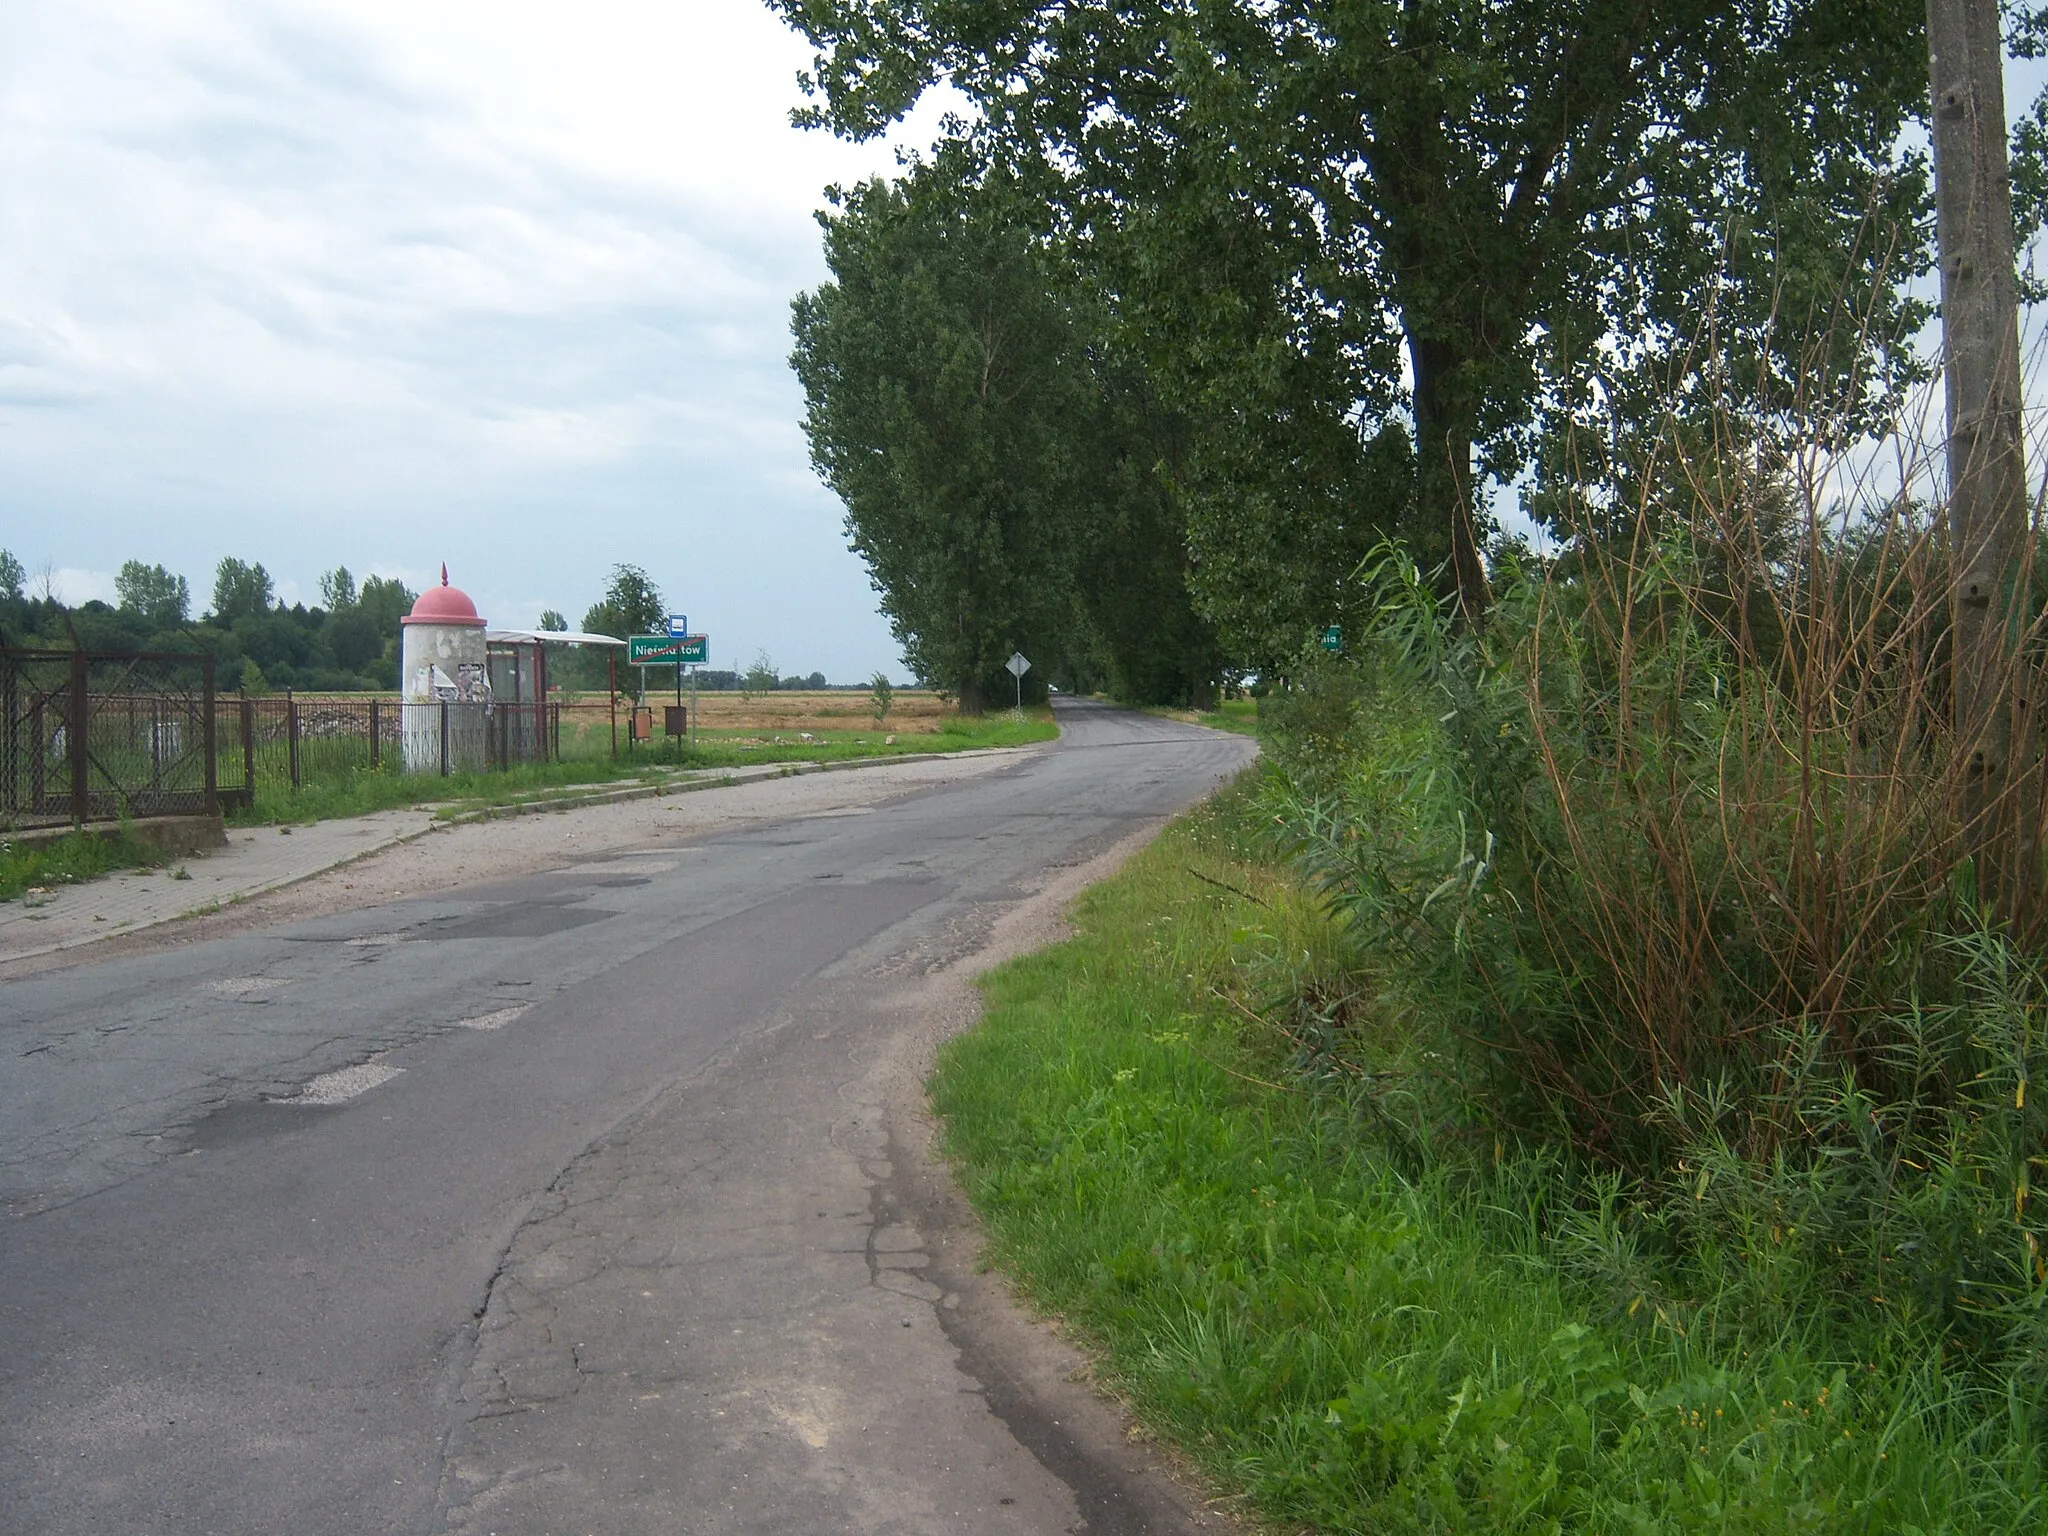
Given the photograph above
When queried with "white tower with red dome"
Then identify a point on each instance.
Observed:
(445, 675)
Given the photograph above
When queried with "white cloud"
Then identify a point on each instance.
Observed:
(68, 584)
(376, 283)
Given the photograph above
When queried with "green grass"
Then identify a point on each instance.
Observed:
(1365, 1342)
(360, 791)
(67, 860)
(357, 790)
(1239, 715)
(724, 749)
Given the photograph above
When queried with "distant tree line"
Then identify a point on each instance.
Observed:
(348, 642)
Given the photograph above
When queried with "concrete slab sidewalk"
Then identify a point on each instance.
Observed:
(256, 859)
(261, 859)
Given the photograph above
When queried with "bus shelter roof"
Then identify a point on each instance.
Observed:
(549, 637)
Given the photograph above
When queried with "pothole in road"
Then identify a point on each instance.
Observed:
(498, 1018)
(338, 1087)
(532, 920)
(244, 986)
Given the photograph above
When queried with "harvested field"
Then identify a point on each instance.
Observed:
(914, 712)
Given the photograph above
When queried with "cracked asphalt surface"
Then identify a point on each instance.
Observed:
(591, 1199)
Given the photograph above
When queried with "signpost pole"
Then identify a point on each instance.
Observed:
(1017, 666)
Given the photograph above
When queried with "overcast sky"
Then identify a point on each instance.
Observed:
(384, 283)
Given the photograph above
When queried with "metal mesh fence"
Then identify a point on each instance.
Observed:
(292, 740)
(90, 737)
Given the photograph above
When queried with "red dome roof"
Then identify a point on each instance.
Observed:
(444, 605)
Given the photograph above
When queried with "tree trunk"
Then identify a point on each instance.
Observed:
(1987, 507)
(1444, 429)
(972, 700)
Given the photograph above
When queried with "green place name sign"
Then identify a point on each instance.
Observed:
(668, 650)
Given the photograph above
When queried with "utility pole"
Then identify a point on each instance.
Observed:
(1987, 506)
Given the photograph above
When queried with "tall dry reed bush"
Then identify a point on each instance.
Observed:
(1681, 851)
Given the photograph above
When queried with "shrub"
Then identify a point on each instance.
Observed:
(1676, 852)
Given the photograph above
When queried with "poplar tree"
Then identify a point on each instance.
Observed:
(940, 374)
(1490, 219)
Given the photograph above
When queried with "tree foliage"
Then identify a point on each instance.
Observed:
(932, 367)
(338, 588)
(631, 605)
(150, 592)
(240, 590)
(260, 641)
(385, 600)
(1004, 472)
(1476, 222)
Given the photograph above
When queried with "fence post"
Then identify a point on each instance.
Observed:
(10, 748)
(39, 769)
(75, 740)
(376, 735)
(444, 738)
(248, 714)
(209, 733)
(291, 734)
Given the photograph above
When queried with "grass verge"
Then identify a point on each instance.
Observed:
(358, 792)
(78, 856)
(1238, 715)
(1367, 1341)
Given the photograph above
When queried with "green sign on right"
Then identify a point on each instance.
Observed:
(667, 650)
(1333, 638)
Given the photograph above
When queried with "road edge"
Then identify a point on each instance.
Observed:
(1038, 1381)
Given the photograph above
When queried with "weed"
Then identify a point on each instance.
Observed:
(27, 867)
(1436, 1341)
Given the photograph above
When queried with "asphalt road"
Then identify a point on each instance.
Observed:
(577, 1202)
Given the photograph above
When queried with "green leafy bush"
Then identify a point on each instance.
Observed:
(1671, 859)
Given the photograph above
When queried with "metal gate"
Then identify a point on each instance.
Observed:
(94, 736)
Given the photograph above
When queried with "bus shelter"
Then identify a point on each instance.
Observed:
(518, 661)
